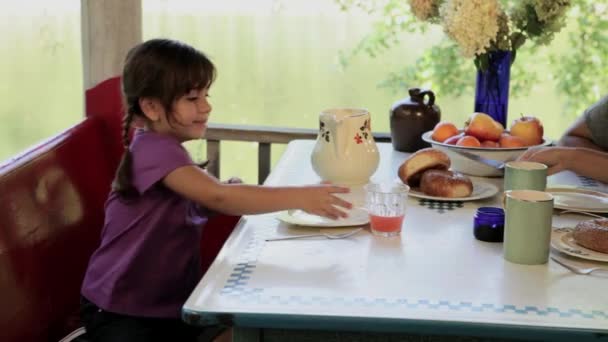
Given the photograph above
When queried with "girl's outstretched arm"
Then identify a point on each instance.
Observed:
(240, 199)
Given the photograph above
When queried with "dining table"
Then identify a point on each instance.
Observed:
(434, 281)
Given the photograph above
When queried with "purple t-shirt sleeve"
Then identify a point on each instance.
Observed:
(154, 157)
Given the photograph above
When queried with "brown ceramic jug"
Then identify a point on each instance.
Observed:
(411, 117)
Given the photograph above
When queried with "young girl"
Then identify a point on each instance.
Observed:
(148, 261)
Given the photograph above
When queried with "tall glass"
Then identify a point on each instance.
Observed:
(386, 204)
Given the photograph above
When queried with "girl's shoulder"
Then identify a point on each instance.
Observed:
(154, 156)
(146, 137)
(148, 144)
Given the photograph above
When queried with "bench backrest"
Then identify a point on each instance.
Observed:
(51, 205)
(51, 213)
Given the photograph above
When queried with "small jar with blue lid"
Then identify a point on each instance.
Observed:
(489, 224)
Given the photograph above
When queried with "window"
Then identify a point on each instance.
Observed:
(279, 64)
(40, 62)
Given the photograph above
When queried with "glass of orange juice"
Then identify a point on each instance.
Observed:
(386, 203)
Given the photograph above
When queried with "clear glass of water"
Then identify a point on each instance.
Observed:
(386, 203)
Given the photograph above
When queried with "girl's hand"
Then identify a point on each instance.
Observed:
(554, 157)
(320, 200)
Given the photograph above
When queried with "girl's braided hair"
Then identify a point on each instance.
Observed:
(161, 69)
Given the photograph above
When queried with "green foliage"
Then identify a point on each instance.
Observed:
(579, 73)
(438, 69)
(396, 19)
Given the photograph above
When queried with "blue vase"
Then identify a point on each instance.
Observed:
(492, 87)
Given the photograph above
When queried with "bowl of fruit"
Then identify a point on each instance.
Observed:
(487, 138)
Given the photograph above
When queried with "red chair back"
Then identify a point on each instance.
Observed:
(51, 199)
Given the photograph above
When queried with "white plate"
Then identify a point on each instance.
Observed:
(356, 217)
(562, 240)
(481, 190)
(579, 199)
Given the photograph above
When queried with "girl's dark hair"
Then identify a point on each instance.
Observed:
(162, 69)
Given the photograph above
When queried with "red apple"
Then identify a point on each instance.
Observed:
(529, 129)
(483, 127)
(489, 143)
(453, 140)
(508, 140)
(468, 141)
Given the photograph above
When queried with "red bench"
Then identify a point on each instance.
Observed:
(51, 200)
(51, 203)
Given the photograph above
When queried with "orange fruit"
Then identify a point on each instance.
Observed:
(444, 130)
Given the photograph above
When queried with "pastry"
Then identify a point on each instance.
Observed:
(444, 183)
(430, 158)
(592, 234)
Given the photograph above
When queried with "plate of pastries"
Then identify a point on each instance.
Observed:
(427, 172)
(588, 240)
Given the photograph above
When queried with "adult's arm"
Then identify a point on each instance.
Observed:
(590, 130)
(590, 163)
(578, 135)
(583, 161)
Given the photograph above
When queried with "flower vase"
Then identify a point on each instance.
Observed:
(492, 87)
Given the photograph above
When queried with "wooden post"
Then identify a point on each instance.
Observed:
(109, 29)
(213, 156)
(263, 161)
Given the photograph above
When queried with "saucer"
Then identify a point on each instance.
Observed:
(356, 217)
(579, 200)
(563, 241)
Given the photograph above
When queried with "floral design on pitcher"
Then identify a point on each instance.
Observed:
(365, 129)
(322, 132)
(358, 139)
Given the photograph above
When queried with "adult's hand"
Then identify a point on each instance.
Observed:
(556, 158)
(582, 161)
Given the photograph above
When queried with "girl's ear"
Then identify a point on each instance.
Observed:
(151, 107)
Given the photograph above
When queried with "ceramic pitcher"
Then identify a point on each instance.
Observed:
(345, 152)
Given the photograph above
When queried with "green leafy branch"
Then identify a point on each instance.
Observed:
(579, 73)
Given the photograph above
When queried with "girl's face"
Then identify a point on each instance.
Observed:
(189, 117)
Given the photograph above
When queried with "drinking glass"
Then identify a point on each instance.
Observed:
(528, 222)
(386, 203)
(525, 175)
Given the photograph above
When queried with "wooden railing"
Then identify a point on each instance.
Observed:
(265, 136)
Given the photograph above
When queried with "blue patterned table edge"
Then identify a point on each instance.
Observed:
(339, 324)
(236, 288)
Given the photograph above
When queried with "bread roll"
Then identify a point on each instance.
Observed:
(412, 168)
(592, 234)
(444, 183)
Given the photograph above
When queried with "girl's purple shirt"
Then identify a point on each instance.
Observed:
(148, 261)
